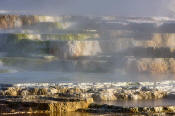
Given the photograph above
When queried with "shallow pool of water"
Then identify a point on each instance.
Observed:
(142, 103)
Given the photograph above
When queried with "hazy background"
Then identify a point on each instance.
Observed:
(90, 7)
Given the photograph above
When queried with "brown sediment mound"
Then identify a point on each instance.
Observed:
(41, 100)
(43, 106)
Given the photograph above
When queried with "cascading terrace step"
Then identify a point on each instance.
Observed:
(71, 40)
(17, 21)
(77, 45)
(150, 65)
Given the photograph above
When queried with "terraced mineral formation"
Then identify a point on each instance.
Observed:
(99, 40)
(11, 21)
(85, 44)
(83, 97)
(151, 65)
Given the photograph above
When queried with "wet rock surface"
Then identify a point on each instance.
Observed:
(82, 97)
(94, 108)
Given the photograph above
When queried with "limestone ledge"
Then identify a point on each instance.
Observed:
(82, 97)
(98, 91)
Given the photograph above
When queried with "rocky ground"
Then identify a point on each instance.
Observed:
(83, 97)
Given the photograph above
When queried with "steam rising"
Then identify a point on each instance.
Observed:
(116, 39)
